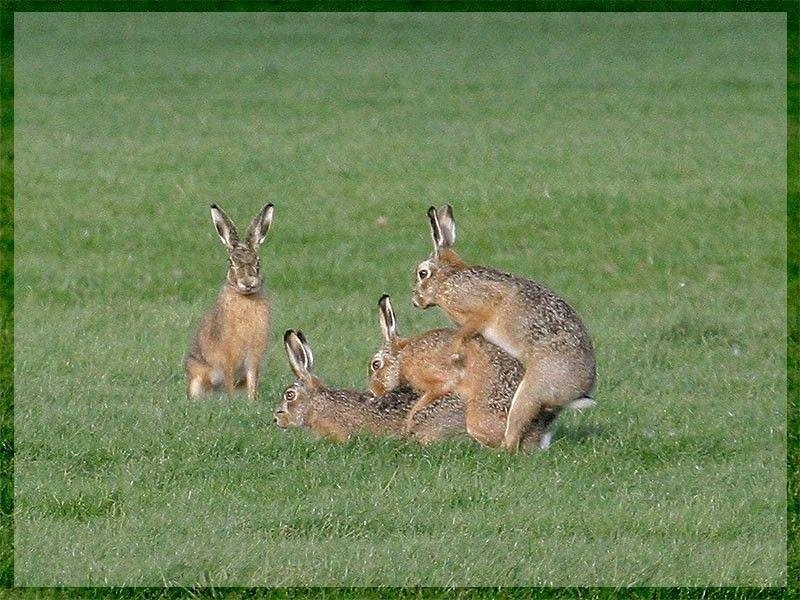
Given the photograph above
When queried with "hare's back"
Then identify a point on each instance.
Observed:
(430, 342)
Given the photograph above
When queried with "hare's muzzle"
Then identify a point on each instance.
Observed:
(281, 419)
(376, 389)
(249, 285)
(418, 301)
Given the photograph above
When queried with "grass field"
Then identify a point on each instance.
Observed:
(633, 163)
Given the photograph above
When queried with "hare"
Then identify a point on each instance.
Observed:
(522, 317)
(339, 414)
(484, 375)
(227, 350)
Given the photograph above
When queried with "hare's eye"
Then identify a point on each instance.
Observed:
(376, 364)
(289, 395)
(422, 274)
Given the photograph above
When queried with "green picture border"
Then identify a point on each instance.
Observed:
(8, 8)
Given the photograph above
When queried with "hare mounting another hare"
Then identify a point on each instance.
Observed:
(483, 374)
(522, 317)
(227, 349)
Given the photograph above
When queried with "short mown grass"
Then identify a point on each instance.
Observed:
(634, 163)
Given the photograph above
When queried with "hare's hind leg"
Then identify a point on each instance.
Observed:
(538, 389)
(198, 378)
(540, 432)
(484, 425)
(525, 405)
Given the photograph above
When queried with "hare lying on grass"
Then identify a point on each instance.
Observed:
(339, 414)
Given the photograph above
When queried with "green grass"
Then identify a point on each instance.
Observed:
(634, 163)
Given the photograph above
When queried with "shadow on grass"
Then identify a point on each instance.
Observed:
(579, 433)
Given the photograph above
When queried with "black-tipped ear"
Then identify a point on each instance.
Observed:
(447, 225)
(387, 320)
(296, 354)
(225, 228)
(307, 350)
(436, 230)
(259, 226)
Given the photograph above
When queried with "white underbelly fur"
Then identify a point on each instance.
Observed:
(493, 335)
(216, 378)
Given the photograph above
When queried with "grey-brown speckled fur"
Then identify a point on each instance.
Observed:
(545, 320)
(487, 376)
(521, 316)
(339, 414)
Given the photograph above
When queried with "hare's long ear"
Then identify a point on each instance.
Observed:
(296, 354)
(307, 349)
(388, 322)
(447, 225)
(436, 230)
(257, 231)
(225, 228)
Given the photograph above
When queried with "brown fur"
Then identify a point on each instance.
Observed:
(482, 374)
(226, 352)
(522, 317)
(230, 343)
(340, 414)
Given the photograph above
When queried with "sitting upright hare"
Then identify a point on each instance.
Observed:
(339, 414)
(226, 352)
(484, 375)
(522, 317)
